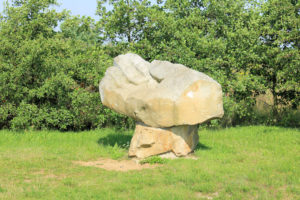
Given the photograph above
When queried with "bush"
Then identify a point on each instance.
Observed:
(49, 78)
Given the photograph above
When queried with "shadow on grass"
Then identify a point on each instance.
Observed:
(202, 147)
(121, 140)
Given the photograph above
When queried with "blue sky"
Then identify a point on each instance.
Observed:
(80, 7)
(77, 7)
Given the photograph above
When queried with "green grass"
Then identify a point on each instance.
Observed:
(253, 162)
(153, 160)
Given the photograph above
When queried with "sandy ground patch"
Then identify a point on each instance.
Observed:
(207, 196)
(116, 165)
(48, 175)
(171, 155)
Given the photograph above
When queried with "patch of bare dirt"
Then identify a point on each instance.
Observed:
(27, 181)
(171, 155)
(40, 172)
(207, 196)
(116, 165)
(48, 175)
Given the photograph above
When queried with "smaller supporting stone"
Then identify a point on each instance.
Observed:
(148, 141)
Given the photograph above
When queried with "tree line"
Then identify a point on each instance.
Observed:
(49, 76)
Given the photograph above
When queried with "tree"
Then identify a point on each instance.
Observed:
(278, 53)
(48, 79)
(81, 28)
(125, 21)
(209, 36)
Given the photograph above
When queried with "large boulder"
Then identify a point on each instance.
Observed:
(148, 141)
(160, 94)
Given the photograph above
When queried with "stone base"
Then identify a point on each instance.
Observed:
(148, 141)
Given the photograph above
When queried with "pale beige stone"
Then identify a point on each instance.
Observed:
(264, 103)
(160, 94)
(148, 141)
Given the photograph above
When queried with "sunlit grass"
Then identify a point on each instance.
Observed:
(238, 163)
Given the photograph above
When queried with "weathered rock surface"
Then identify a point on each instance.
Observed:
(167, 100)
(148, 141)
(160, 94)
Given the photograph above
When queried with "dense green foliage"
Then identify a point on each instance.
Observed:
(49, 77)
(253, 162)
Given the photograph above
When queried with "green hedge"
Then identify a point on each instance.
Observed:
(49, 78)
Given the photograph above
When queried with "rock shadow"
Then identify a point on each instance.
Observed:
(121, 140)
(202, 147)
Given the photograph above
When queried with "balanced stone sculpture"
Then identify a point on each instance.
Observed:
(167, 100)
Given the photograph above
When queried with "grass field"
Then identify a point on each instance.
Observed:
(237, 163)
